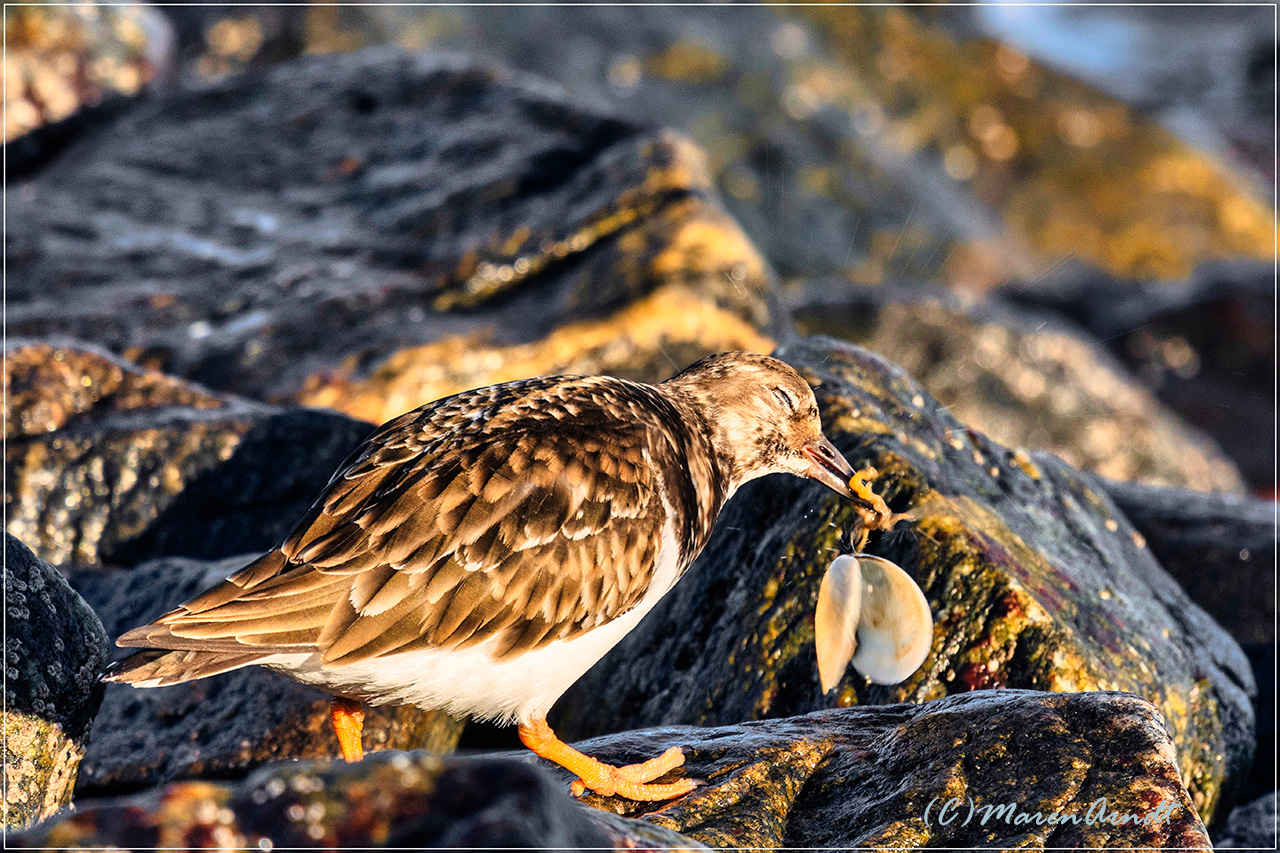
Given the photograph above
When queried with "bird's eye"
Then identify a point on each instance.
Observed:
(784, 398)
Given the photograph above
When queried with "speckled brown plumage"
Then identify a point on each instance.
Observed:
(480, 553)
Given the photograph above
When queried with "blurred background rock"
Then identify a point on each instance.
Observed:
(1108, 167)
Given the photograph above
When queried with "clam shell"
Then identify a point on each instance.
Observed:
(872, 614)
(835, 620)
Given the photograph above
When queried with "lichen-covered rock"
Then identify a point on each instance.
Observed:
(111, 463)
(63, 57)
(1034, 578)
(878, 777)
(400, 800)
(54, 651)
(220, 726)
(855, 777)
(273, 234)
(1023, 383)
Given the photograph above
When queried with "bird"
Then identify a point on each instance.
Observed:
(479, 554)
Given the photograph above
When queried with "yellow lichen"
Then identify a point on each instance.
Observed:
(671, 318)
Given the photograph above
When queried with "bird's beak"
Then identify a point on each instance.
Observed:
(831, 469)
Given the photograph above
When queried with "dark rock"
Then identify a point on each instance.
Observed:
(1022, 380)
(54, 651)
(401, 800)
(1205, 345)
(1035, 579)
(874, 777)
(221, 726)
(1222, 550)
(110, 463)
(876, 143)
(276, 232)
(1251, 826)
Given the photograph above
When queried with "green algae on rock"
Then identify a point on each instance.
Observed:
(55, 648)
(1035, 581)
(865, 777)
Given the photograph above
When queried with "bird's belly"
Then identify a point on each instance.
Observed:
(470, 681)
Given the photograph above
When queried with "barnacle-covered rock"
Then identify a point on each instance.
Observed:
(1034, 578)
(54, 650)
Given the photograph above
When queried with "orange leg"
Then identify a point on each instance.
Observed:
(348, 719)
(606, 779)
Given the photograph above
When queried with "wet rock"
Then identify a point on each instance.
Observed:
(877, 777)
(1022, 381)
(1222, 550)
(110, 463)
(1252, 825)
(273, 233)
(221, 726)
(1034, 577)
(54, 651)
(398, 799)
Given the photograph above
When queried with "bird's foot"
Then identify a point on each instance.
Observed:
(347, 716)
(630, 781)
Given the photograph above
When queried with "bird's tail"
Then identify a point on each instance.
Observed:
(161, 667)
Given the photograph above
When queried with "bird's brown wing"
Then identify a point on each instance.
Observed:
(441, 533)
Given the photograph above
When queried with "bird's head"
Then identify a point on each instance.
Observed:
(763, 419)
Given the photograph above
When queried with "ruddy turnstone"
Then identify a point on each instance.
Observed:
(480, 553)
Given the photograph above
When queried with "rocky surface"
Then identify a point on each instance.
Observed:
(1252, 825)
(1022, 381)
(897, 146)
(1222, 550)
(393, 800)
(221, 726)
(1204, 345)
(54, 651)
(110, 463)
(1034, 577)
(372, 230)
(861, 777)
(270, 234)
(61, 58)
(880, 143)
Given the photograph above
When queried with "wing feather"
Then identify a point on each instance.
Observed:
(466, 520)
